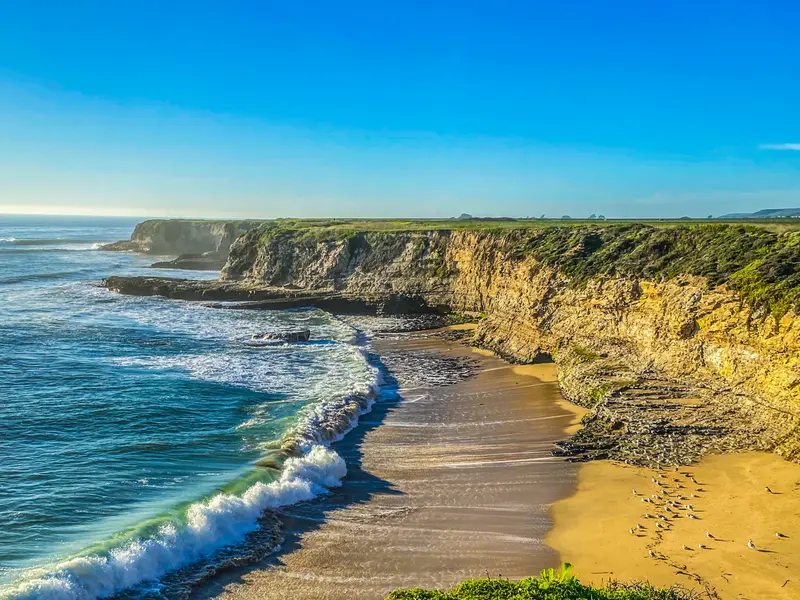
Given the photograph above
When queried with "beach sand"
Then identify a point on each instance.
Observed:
(446, 483)
(591, 527)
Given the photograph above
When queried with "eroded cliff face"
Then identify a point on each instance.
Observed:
(680, 367)
(177, 236)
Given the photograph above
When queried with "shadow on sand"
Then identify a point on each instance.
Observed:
(358, 487)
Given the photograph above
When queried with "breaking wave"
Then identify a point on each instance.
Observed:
(222, 521)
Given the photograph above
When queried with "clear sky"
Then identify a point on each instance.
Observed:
(379, 109)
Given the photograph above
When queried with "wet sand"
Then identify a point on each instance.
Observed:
(731, 503)
(444, 483)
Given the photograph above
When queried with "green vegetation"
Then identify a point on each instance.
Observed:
(582, 355)
(762, 265)
(550, 585)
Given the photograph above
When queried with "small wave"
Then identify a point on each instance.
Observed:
(38, 277)
(11, 241)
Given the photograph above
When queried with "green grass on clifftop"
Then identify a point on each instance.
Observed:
(548, 586)
(760, 261)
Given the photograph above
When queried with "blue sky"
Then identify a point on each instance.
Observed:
(399, 109)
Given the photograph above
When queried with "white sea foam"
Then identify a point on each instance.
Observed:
(223, 520)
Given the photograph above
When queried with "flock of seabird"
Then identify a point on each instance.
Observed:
(671, 506)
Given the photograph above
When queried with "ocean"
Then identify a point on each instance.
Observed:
(141, 437)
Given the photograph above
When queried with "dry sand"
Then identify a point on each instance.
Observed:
(444, 484)
(591, 527)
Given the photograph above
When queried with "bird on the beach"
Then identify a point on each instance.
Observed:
(631, 531)
(709, 535)
(654, 496)
(645, 499)
(692, 516)
(695, 496)
(659, 525)
(689, 507)
(693, 480)
(668, 509)
(633, 491)
(751, 545)
(702, 546)
(648, 516)
(651, 553)
(685, 547)
(780, 535)
(662, 517)
(653, 479)
(769, 491)
(639, 526)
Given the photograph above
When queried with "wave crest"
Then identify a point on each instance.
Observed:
(223, 520)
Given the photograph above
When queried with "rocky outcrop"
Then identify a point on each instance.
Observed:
(187, 237)
(682, 366)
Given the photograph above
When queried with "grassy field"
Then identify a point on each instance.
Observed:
(550, 585)
(491, 224)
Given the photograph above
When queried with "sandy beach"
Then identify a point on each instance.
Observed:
(454, 479)
(730, 502)
(449, 481)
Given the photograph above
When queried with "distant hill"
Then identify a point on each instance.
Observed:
(766, 213)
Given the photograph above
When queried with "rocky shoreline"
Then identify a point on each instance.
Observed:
(644, 420)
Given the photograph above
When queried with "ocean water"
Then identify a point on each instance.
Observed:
(141, 435)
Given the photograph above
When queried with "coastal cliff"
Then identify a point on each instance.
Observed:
(682, 340)
(201, 244)
(663, 332)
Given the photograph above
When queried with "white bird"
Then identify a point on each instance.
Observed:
(645, 499)
(653, 479)
(651, 553)
(685, 547)
(751, 545)
(662, 517)
(769, 491)
(633, 491)
(689, 507)
(702, 546)
(659, 525)
(668, 509)
(648, 516)
(631, 531)
(709, 536)
(692, 516)
(779, 534)
(655, 496)
(695, 496)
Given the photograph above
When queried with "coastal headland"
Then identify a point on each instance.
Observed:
(680, 342)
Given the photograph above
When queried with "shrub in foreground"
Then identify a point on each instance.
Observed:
(548, 586)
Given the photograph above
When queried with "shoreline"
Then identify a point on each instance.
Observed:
(453, 480)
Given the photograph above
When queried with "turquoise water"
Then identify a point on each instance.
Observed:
(130, 427)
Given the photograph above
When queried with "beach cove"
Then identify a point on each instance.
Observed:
(456, 481)
(445, 483)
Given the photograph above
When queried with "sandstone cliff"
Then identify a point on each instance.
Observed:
(178, 236)
(673, 359)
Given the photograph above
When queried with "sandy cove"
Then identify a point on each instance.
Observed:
(446, 483)
(456, 481)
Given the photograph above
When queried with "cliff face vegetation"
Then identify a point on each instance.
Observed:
(684, 338)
